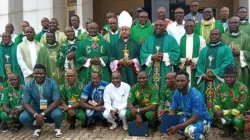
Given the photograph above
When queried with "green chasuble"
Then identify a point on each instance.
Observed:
(195, 49)
(240, 42)
(63, 52)
(106, 27)
(47, 57)
(129, 74)
(19, 38)
(87, 49)
(40, 34)
(204, 30)
(245, 27)
(165, 95)
(140, 33)
(112, 37)
(166, 44)
(213, 58)
(60, 37)
(8, 62)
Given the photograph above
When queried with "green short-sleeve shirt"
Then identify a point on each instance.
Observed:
(71, 93)
(12, 97)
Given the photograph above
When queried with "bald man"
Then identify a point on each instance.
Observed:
(159, 53)
(161, 14)
(10, 28)
(115, 100)
(166, 94)
(92, 55)
(45, 25)
(240, 45)
(224, 14)
(12, 103)
(71, 93)
(27, 52)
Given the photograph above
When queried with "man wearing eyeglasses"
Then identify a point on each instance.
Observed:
(244, 23)
(190, 45)
(176, 29)
(195, 15)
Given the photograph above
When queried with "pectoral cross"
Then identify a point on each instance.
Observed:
(126, 54)
(157, 48)
(7, 58)
(210, 60)
(53, 56)
(57, 73)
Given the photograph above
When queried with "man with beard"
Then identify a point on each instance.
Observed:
(45, 25)
(8, 61)
(92, 55)
(115, 101)
(240, 45)
(207, 24)
(27, 52)
(159, 53)
(166, 94)
(66, 58)
(47, 57)
(230, 102)
(75, 22)
(195, 121)
(124, 55)
(41, 100)
(12, 104)
(194, 14)
(114, 33)
(53, 27)
(142, 102)
(92, 100)
(71, 93)
(210, 66)
(176, 29)
(244, 23)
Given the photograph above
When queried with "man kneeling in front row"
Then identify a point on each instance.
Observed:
(41, 100)
(195, 121)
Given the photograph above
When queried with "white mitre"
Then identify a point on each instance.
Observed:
(125, 19)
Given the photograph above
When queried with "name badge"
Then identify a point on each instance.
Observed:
(71, 102)
(43, 104)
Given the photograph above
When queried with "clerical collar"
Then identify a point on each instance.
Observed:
(211, 44)
(72, 42)
(31, 42)
(243, 21)
(235, 34)
(190, 34)
(125, 40)
(142, 25)
(7, 44)
(52, 44)
(45, 30)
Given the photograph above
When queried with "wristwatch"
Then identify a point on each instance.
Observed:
(43, 114)
(69, 106)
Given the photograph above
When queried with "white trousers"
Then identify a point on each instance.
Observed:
(122, 115)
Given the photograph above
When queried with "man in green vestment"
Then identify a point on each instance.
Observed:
(45, 25)
(230, 102)
(47, 57)
(166, 94)
(92, 55)
(190, 45)
(71, 93)
(114, 33)
(210, 66)
(159, 53)
(142, 102)
(110, 14)
(124, 55)
(75, 22)
(19, 38)
(8, 61)
(85, 34)
(12, 104)
(142, 29)
(53, 27)
(66, 55)
(240, 45)
(244, 23)
(207, 24)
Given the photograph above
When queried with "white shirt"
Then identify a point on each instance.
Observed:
(13, 37)
(116, 97)
(79, 28)
(25, 70)
(176, 30)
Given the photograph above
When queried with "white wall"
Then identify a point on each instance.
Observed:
(84, 10)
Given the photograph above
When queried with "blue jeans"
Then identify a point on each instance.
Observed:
(92, 114)
(55, 116)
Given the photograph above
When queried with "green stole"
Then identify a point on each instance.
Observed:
(14, 65)
(79, 32)
(196, 48)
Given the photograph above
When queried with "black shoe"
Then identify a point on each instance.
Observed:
(91, 126)
(5, 127)
(72, 126)
(84, 124)
(104, 123)
(17, 127)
